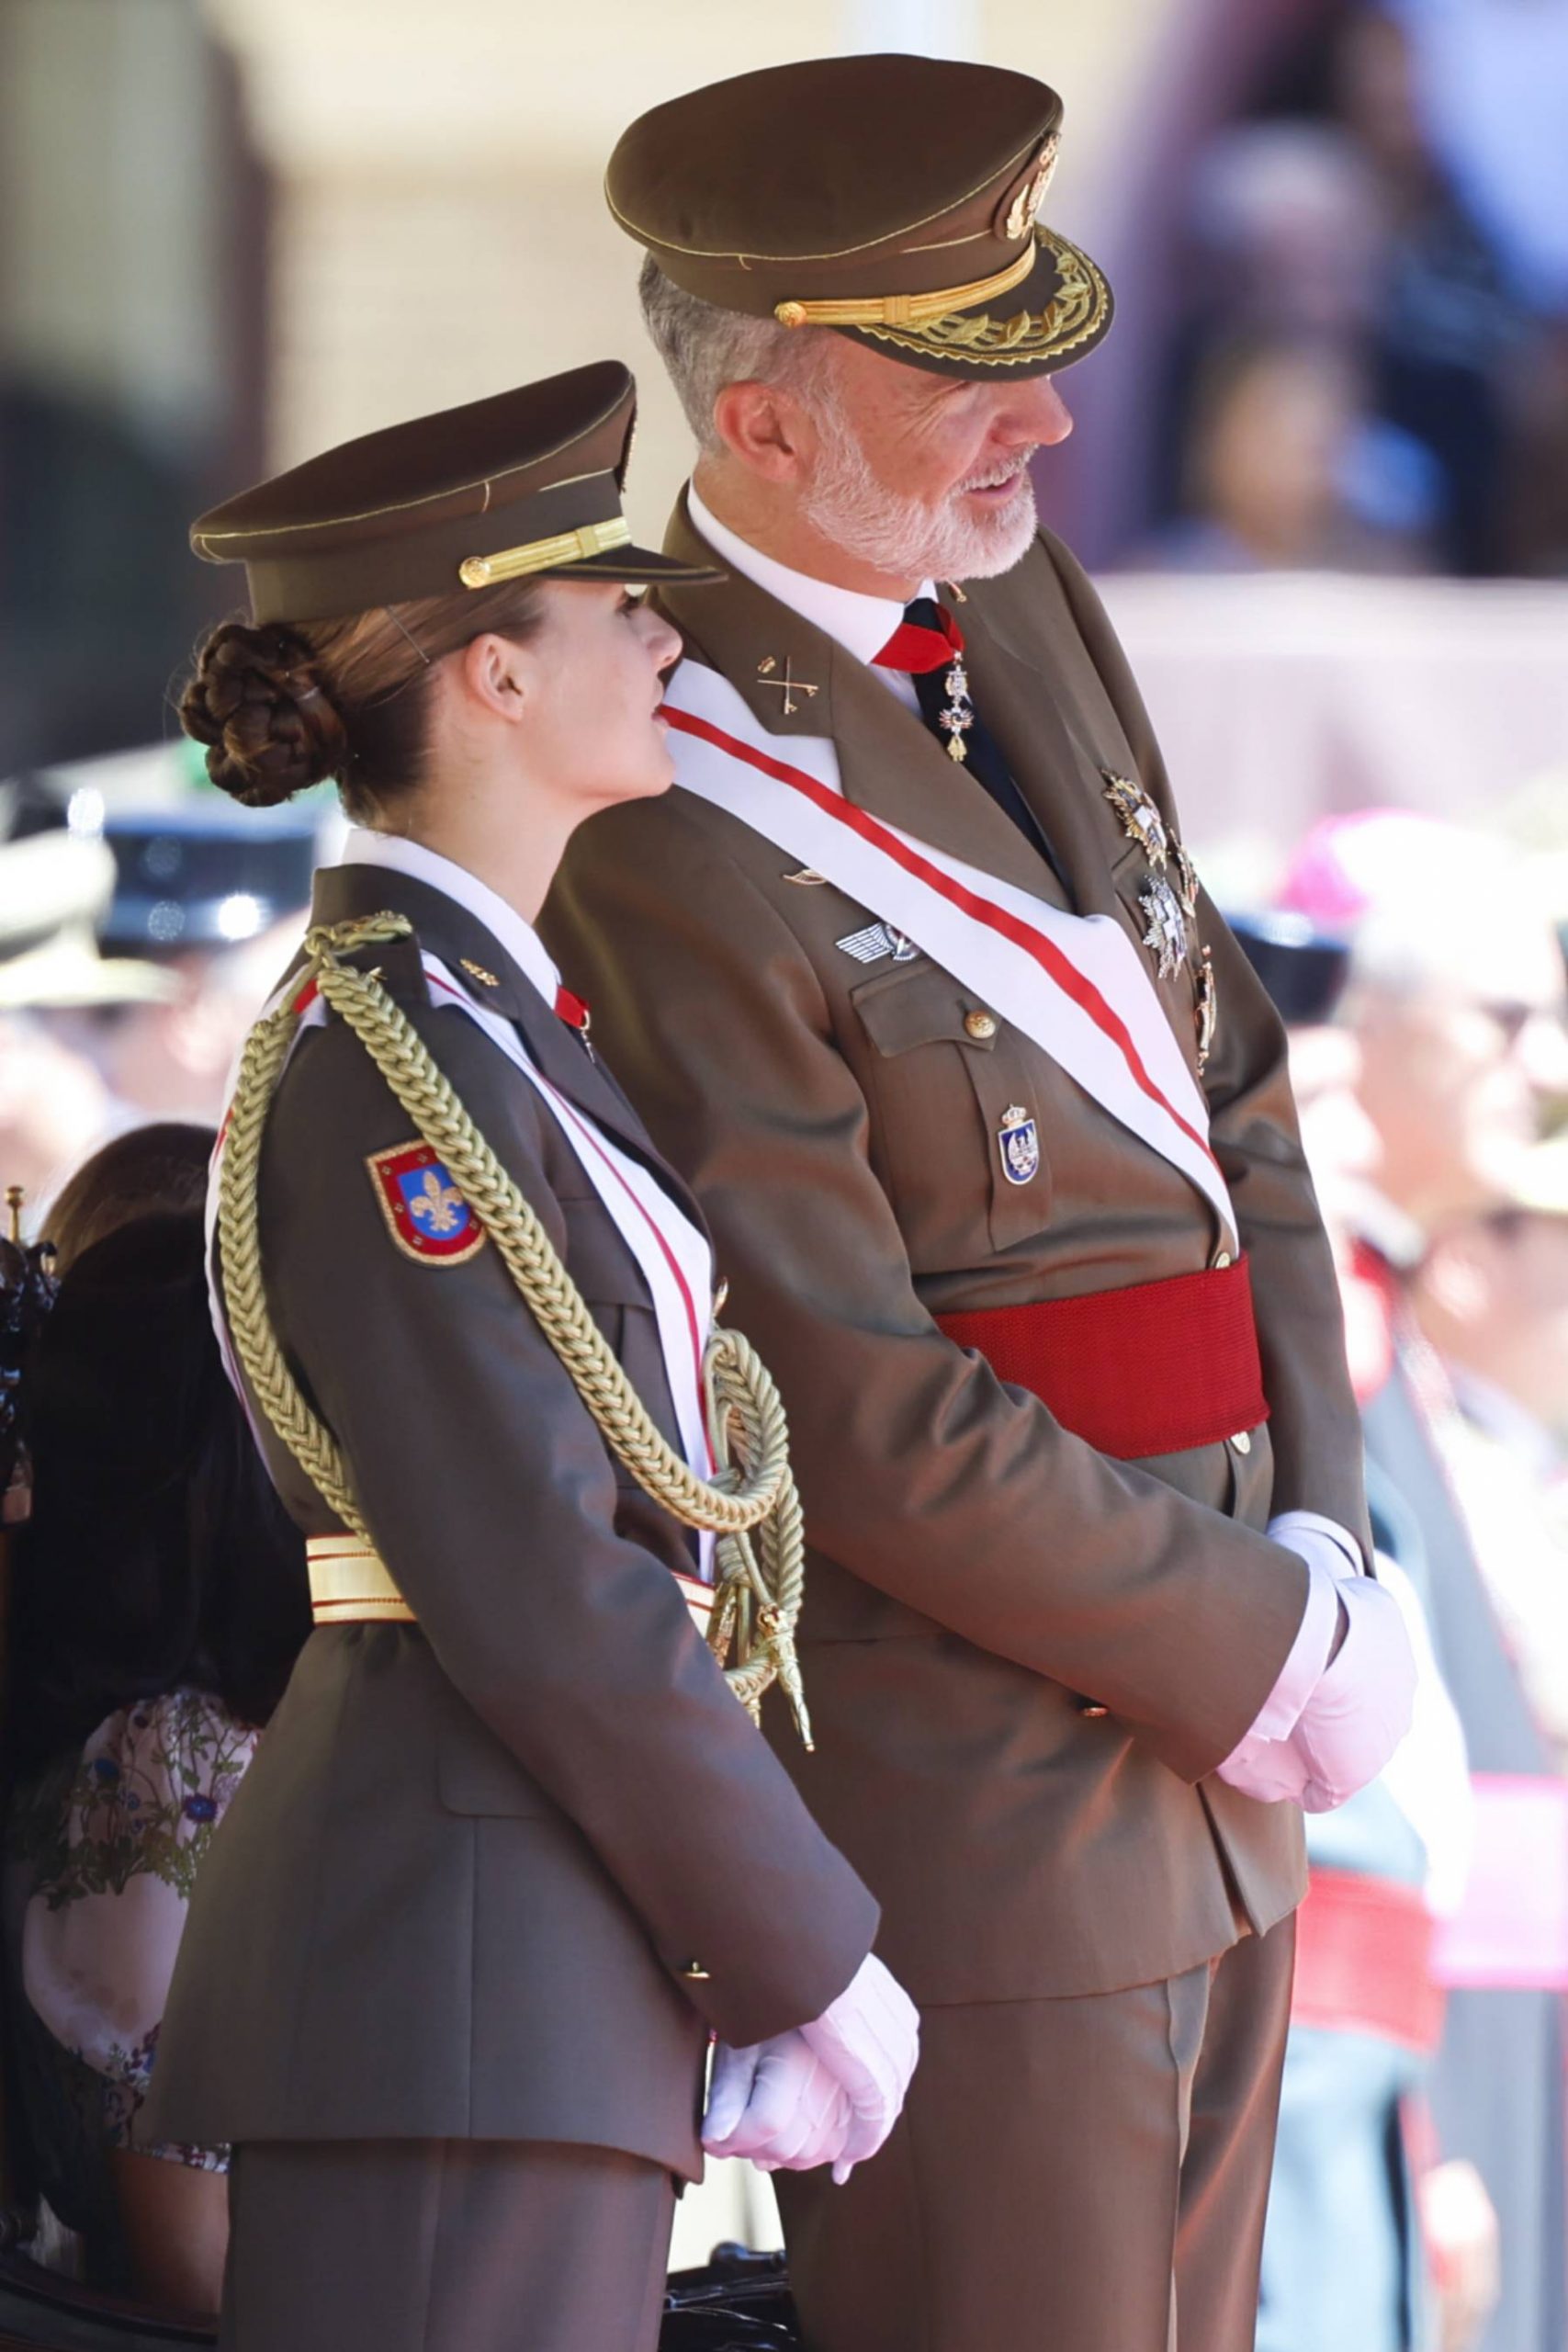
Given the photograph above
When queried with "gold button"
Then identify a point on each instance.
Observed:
(1222, 1259)
(980, 1024)
(695, 1973)
(1091, 1710)
(1242, 1442)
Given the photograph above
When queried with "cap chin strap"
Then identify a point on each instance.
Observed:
(907, 310)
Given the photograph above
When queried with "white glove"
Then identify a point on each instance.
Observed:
(777, 2103)
(828, 2092)
(869, 2039)
(1360, 1709)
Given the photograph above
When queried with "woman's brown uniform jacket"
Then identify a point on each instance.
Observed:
(467, 1886)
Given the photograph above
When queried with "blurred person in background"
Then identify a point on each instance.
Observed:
(1346, 227)
(159, 1166)
(1278, 428)
(1491, 1297)
(1353, 2169)
(158, 1601)
(1449, 327)
(217, 914)
(54, 1101)
(1455, 1003)
(1458, 1002)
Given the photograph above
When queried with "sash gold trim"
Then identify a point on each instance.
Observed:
(907, 310)
(544, 555)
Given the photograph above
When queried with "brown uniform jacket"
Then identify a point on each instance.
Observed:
(459, 1892)
(975, 1566)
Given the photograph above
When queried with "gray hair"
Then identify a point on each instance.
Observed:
(705, 347)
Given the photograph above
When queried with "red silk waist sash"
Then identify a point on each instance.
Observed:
(1155, 1369)
(1364, 1960)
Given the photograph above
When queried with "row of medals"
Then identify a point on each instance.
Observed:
(1169, 902)
(1168, 899)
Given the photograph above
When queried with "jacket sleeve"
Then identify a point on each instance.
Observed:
(491, 1497)
(920, 1472)
(1314, 1424)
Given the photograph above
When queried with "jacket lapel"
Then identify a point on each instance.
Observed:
(888, 762)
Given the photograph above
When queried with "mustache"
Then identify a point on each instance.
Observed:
(1002, 470)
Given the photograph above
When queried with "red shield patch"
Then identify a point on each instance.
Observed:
(426, 1214)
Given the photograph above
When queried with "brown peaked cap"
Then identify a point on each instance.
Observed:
(526, 484)
(894, 199)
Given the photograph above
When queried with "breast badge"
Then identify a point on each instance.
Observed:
(426, 1214)
(1166, 937)
(878, 939)
(1141, 820)
(1017, 1140)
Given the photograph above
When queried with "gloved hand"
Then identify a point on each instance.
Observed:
(777, 2103)
(1359, 1710)
(826, 2092)
(869, 2038)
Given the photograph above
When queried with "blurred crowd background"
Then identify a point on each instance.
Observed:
(1321, 470)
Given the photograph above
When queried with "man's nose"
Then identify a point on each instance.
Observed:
(1039, 413)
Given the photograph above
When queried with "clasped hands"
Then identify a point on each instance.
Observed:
(825, 2093)
(1356, 1713)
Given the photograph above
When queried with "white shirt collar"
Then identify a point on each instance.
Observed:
(861, 623)
(520, 941)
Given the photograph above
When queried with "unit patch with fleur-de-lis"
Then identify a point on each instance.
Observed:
(426, 1214)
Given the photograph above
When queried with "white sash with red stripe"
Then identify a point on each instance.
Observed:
(1076, 984)
(672, 1254)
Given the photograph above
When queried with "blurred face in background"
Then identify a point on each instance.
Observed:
(1462, 1059)
(1343, 1148)
(1492, 1297)
(1271, 449)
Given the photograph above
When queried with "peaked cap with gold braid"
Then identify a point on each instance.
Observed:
(523, 485)
(894, 199)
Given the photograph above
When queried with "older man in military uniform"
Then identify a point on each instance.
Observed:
(916, 980)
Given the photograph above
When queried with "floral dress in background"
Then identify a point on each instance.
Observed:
(104, 1851)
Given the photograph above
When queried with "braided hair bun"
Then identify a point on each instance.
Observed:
(257, 702)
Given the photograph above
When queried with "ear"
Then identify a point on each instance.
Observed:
(494, 672)
(767, 429)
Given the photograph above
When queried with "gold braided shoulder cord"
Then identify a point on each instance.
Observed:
(752, 1504)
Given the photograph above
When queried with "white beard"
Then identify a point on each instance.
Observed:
(851, 506)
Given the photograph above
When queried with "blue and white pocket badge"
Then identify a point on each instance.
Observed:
(1017, 1140)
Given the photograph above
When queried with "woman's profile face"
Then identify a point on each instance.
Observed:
(594, 680)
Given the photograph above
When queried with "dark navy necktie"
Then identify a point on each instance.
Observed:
(927, 646)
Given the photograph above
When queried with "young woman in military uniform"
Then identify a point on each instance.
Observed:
(510, 1852)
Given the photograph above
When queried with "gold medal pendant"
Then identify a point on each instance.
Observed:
(1208, 1010)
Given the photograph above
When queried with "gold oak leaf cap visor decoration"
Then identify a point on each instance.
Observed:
(525, 484)
(895, 200)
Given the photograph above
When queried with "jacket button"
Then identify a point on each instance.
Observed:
(1242, 1442)
(695, 1974)
(1222, 1259)
(1091, 1710)
(980, 1024)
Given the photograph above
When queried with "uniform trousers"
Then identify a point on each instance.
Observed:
(443, 2245)
(1090, 2173)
